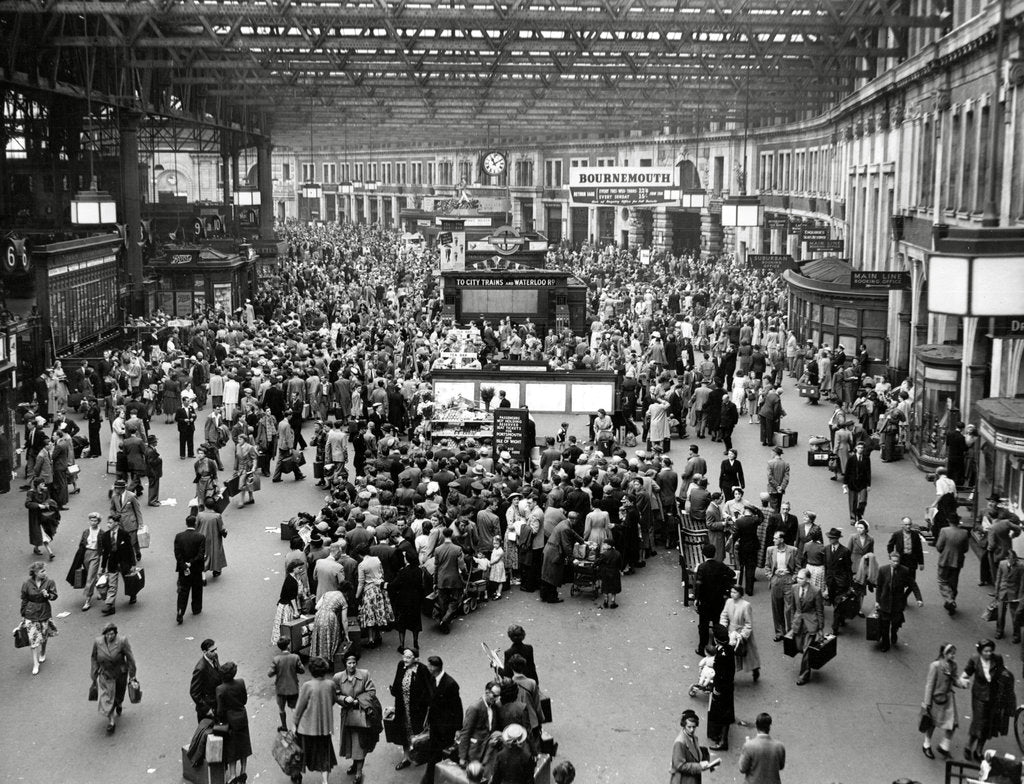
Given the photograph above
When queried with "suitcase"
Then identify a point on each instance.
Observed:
(220, 503)
(816, 458)
(231, 487)
(298, 633)
(78, 581)
(288, 754)
(809, 391)
(822, 652)
(448, 772)
(548, 745)
(204, 773)
(542, 770)
(789, 646)
(214, 748)
(545, 710)
(784, 438)
(393, 732)
(872, 628)
(318, 469)
(288, 531)
(134, 581)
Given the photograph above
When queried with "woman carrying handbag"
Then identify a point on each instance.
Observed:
(938, 711)
(113, 664)
(356, 693)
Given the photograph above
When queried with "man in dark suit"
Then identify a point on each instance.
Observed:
(891, 599)
(449, 568)
(951, 545)
(857, 481)
(907, 544)
(808, 609)
(780, 564)
(748, 552)
(787, 524)
(838, 575)
(190, 558)
(444, 714)
(117, 557)
(205, 680)
(762, 757)
(710, 590)
(480, 721)
(185, 417)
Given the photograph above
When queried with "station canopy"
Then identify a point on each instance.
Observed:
(408, 72)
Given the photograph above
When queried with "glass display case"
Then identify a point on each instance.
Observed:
(935, 406)
(1001, 458)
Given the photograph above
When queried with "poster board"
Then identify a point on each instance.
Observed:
(510, 433)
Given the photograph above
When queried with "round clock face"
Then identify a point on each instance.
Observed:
(494, 163)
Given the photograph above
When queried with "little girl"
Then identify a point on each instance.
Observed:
(609, 569)
(496, 577)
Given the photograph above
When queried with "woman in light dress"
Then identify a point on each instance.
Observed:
(738, 619)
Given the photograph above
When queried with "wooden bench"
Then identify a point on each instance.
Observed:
(691, 543)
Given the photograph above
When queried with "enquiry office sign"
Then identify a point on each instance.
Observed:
(623, 186)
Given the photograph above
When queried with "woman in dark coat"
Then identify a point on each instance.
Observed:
(231, 698)
(627, 535)
(992, 697)
(406, 594)
(94, 416)
(411, 690)
(722, 710)
(43, 518)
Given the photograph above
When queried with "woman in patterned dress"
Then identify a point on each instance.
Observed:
(411, 690)
(290, 600)
(36, 594)
(329, 625)
(375, 611)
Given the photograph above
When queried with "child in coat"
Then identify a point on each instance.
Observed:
(285, 671)
(609, 569)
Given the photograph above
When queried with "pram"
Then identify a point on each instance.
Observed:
(475, 589)
(584, 569)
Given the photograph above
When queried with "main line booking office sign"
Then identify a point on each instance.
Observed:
(623, 186)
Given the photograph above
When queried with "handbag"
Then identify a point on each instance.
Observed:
(134, 691)
(73, 470)
(308, 606)
(991, 612)
(288, 754)
(355, 717)
(20, 636)
(419, 743)
(925, 723)
(299, 458)
(94, 692)
(253, 483)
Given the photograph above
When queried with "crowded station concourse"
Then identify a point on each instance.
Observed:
(334, 364)
(512, 392)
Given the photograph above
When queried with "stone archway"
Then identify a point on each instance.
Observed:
(689, 178)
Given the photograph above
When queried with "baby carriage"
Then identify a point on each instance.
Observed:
(706, 679)
(475, 590)
(584, 569)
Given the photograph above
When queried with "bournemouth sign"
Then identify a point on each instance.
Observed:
(623, 186)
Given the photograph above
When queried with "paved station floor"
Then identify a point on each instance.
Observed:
(618, 679)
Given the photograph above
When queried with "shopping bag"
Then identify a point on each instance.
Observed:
(20, 636)
(419, 746)
(134, 691)
(872, 628)
(101, 587)
(253, 482)
(925, 723)
(288, 753)
(143, 534)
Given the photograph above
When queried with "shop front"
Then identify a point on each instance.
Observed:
(193, 279)
(935, 407)
(1000, 459)
(824, 309)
